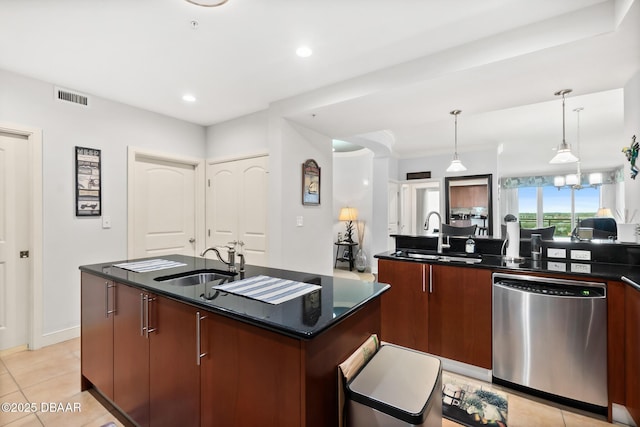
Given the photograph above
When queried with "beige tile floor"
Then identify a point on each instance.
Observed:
(47, 378)
(52, 375)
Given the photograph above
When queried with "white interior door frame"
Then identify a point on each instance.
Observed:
(35, 306)
(135, 153)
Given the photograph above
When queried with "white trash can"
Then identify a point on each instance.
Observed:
(397, 387)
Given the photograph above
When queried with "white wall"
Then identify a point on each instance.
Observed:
(244, 136)
(353, 186)
(112, 127)
(631, 127)
(305, 248)
(476, 162)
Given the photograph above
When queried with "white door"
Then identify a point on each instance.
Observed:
(392, 215)
(164, 217)
(14, 237)
(237, 206)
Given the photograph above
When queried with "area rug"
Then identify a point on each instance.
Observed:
(472, 403)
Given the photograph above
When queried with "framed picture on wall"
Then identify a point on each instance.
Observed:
(88, 182)
(310, 183)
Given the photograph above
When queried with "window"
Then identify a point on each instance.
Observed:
(564, 207)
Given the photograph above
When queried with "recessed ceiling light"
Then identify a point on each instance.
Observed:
(207, 3)
(304, 51)
(188, 98)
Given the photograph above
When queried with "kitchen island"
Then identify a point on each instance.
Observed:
(168, 354)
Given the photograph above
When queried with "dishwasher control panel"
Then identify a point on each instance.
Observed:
(556, 289)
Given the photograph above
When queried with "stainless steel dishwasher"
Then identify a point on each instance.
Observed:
(550, 337)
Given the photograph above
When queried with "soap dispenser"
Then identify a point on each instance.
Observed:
(470, 246)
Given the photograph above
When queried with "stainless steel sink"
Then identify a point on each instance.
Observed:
(421, 256)
(445, 258)
(200, 277)
(437, 257)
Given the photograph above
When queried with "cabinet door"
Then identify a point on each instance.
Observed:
(174, 382)
(615, 341)
(97, 332)
(460, 314)
(131, 355)
(249, 376)
(632, 352)
(405, 305)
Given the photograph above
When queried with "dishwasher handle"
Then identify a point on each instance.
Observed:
(553, 289)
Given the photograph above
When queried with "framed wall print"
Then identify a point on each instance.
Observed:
(310, 183)
(88, 182)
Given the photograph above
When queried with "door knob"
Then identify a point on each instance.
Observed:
(192, 240)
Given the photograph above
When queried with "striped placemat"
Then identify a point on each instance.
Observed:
(149, 265)
(271, 290)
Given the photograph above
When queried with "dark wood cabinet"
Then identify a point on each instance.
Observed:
(139, 350)
(460, 314)
(167, 363)
(615, 342)
(443, 310)
(632, 352)
(174, 382)
(405, 307)
(131, 355)
(469, 196)
(249, 376)
(97, 333)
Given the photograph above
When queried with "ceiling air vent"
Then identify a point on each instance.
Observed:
(73, 97)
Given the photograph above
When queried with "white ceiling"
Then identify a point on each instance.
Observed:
(397, 67)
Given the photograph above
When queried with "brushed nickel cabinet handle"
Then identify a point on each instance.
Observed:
(142, 326)
(149, 300)
(430, 279)
(113, 303)
(199, 354)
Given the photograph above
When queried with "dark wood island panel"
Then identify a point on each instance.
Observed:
(162, 355)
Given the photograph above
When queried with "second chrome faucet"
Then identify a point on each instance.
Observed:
(231, 253)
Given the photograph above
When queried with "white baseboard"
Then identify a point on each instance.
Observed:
(58, 336)
(470, 371)
(619, 414)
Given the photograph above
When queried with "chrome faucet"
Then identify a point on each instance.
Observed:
(231, 251)
(426, 227)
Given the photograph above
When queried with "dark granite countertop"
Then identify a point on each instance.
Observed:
(610, 260)
(598, 270)
(302, 317)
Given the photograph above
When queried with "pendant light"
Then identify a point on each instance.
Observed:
(456, 165)
(564, 154)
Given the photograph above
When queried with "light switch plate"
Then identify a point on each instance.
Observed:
(581, 255)
(556, 253)
(580, 268)
(557, 266)
(299, 221)
(106, 221)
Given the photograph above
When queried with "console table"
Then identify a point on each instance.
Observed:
(347, 254)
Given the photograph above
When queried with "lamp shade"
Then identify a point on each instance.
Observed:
(558, 181)
(604, 212)
(348, 214)
(564, 155)
(456, 166)
(595, 178)
(573, 179)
